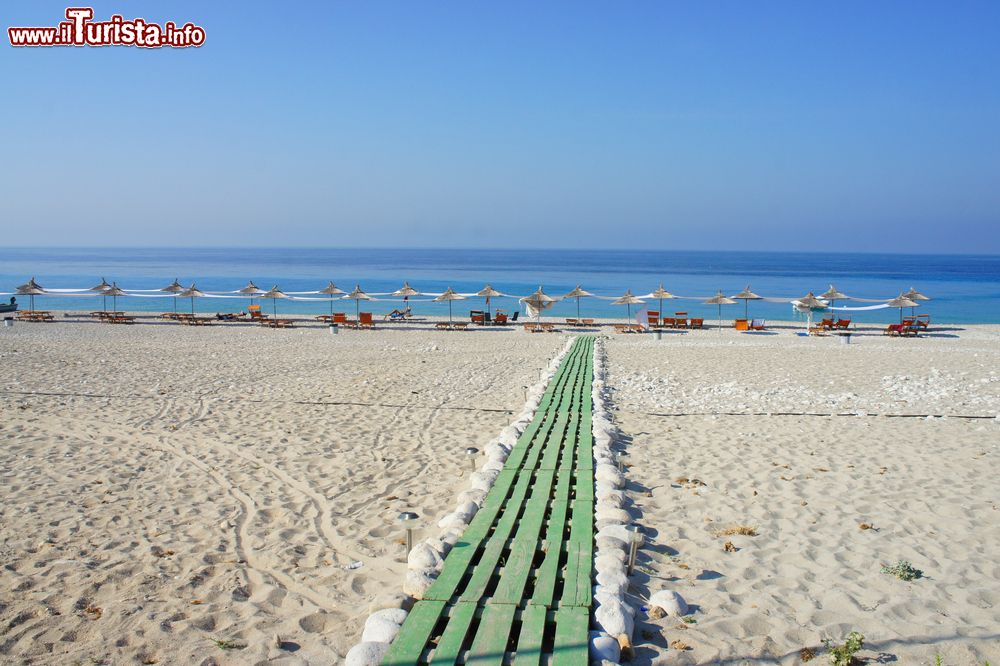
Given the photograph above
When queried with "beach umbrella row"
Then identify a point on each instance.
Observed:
(450, 296)
(746, 296)
(720, 299)
(628, 299)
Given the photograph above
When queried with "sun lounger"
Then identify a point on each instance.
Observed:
(621, 328)
(842, 324)
(229, 316)
(696, 323)
(34, 315)
(571, 322)
(757, 325)
(442, 326)
(587, 322)
(365, 320)
(923, 321)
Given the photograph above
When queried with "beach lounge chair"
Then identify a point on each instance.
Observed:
(842, 324)
(826, 324)
(255, 313)
(395, 315)
(586, 322)
(653, 317)
(365, 320)
(923, 321)
(501, 319)
(621, 328)
(442, 326)
(696, 323)
(757, 325)
(571, 322)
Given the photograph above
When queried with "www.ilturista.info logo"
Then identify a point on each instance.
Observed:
(80, 30)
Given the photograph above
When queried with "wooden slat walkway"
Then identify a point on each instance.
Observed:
(516, 588)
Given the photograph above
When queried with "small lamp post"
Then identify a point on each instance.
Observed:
(620, 457)
(635, 534)
(408, 518)
(471, 454)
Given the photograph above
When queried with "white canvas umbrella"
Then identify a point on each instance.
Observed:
(628, 299)
(538, 301)
(357, 296)
(902, 301)
(274, 294)
(661, 295)
(102, 288)
(174, 288)
(720, 299)
(331, 290)
(30, 289)
(578, 293)
(450, 296)
(831, 295)
(191, 292)
(487, 292)
(746, 296)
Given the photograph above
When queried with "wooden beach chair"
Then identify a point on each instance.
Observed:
(571, 322)
(460, 326)
(365, 320)
(842, 324)
(587, 322)
(696, 323)
(442, 326)
(758, 325)
(255, 313)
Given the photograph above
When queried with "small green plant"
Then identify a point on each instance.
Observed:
(903, 570)
(227, 644)
(937, 660)
(689, 620)
(843, 655)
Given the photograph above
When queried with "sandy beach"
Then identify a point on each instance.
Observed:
(228, 495)
(831, 499)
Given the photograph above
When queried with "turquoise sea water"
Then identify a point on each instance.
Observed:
(964, 288)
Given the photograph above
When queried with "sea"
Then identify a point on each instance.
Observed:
(962, 288)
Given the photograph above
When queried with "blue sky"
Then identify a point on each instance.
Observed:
(848, 126)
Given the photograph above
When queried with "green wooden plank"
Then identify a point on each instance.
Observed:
(516, 570)
(582, 523)
(409, 644)
(584, 484)
(449, 648)
(529, 641)
(571, 645)
(577, 581)
(490, 644)
(548, 571)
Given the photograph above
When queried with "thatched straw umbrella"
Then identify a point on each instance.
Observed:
(538, 301)
(661, 294)
(357, 295)
(114, 291)
(405, 292)
(832, 295)
(250, 290)
(578, 293)
(915, 295)
(101, 289)
(450, 296)
(628, 299)
(487, 292)
(174, 288)
(274, 294)
(191, 292)
(902, 301)
(30, 289)
(331, 290)
(746, 296)
(809, 302)
(720, 299)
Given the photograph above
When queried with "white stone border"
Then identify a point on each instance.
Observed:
(427, 557)
(613, 616)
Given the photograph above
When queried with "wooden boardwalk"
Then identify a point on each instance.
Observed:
(516, 587)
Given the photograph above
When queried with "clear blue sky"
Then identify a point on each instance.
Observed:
(855, 126)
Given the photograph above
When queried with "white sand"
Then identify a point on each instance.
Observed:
(806, 484)
(216, 483)
(200, 484)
